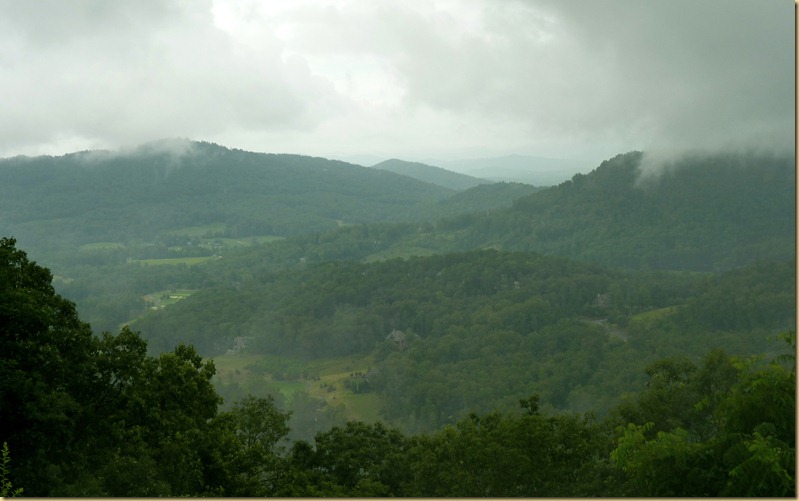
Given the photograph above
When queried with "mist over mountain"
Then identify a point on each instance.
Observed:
(102, 216)
(398, 249)
(336, 298)
(538, 171)
(431, 174)
(168, 185)
(704, 213)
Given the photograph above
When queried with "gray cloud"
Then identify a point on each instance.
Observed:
(588, 78)
(127, 72)
(666, 74)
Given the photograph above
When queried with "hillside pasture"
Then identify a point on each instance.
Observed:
(322, 379)
(101, 246)
(189, 261)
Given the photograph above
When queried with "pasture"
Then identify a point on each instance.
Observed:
(101, 246)
(321, 379)
(189, 261)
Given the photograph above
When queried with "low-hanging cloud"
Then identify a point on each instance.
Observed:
(114, 73)
(416, 78)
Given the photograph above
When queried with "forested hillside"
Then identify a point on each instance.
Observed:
(96, 416)
(360, 317)
(704, 213)
(578, 335)
(137, 196)
(431, 174)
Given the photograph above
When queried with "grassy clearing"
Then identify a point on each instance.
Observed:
(101, 246)
(399, 252)
(190, 261)
(331, 387)
(239, 242)
(231, 368)
(249, 370)
(209, 233)
(364, 407)
(159, 300)
(162, 299)
(322, 379)
(169, 295)
(654, 315)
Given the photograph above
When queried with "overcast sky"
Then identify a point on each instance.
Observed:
(413, 79)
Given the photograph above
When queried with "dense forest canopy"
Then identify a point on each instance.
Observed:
(483, 319)
(105, 196)
(431, 174)
(279, 325)
(702, 213)
(89, 416)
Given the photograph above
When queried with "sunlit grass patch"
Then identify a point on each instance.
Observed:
(189, 261)
(654, 315)
(399, 252)
(101, 246)
(323, 379)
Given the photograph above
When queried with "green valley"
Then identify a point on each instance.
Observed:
(636, 320)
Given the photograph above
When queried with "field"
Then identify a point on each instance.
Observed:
(399, 252)
(652, 316)
(159, 299)
(189, 261)
(212, 233)
(238, 242)
(325, 380)
(101, 246)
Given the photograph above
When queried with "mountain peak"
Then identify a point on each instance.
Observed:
(431, 174)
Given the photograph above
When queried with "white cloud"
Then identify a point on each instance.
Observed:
(586, 78)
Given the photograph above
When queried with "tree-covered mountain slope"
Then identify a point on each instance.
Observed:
(483, 328)
(89, 416)
(476, 200)
(704, 213)
(102, 196)
(431, 174)
(535, 170)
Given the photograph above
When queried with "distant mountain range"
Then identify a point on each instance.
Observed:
(163, 187)
(566, 291)
(538, 171)
(706, 213)
(431, 174)
(528, 169)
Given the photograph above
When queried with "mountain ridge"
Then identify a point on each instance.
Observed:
(530, 169)
(431, 174)
(186, 184)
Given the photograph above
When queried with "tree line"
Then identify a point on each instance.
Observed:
(83, 415)
(579, 335)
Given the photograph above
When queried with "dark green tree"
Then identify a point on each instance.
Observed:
(736, 439)
(46, 375)
(357, 459)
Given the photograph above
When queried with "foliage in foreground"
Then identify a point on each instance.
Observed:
(89, 416)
